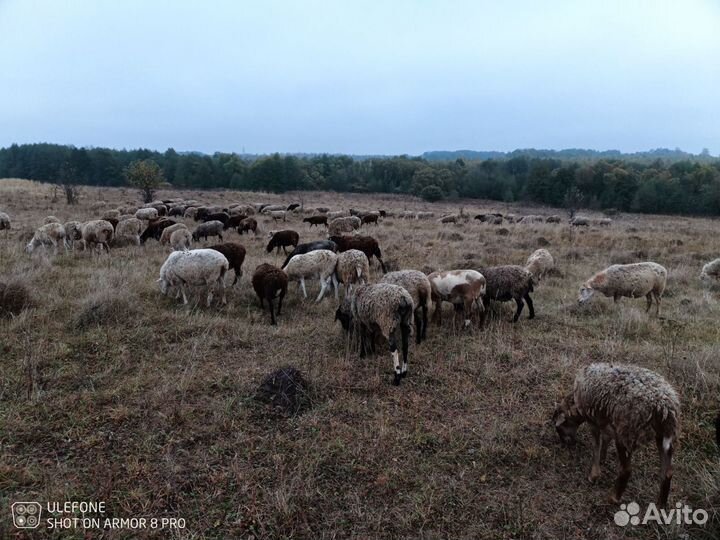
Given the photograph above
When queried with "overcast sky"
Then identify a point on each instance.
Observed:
(384, 77)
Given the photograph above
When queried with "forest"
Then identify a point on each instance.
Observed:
(666, 182)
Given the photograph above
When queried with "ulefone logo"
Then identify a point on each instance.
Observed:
(682, 514)
(26, 515)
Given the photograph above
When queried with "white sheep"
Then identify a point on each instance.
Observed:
(539, 263)
(147, 214)
(273, 208)
(129, 228)
(342, 225)
(73, 232)
(180, 239)
(50, 234)
(711, 271)
(200, 267)
(97, 232)
(352, 267)
(277, 215)
(320, 263)
(646, 279)
(167, 232)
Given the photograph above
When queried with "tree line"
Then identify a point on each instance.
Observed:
(690, 185)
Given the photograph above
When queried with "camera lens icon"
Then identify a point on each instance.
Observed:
(26, 515)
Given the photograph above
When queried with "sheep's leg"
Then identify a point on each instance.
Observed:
(595, 469)
(405, 334)
(437, 316)
(467, 311)
(520, 305)
(335, 286)
(182, 290)
(665, 449)
(424, 321)
(624, 473)
(323, 286)
(648, 297)
(282, 295)
(530, 305)
(210, 294)
(396, 360)
(272, 312)
(302, 286)
(418, 329)
(221, 284)
(657, 303)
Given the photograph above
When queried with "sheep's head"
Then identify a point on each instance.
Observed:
(566, 420)
(163, 285)
(585, 294)
(30, 247)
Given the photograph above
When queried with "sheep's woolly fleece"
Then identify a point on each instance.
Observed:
(631, 280)
(540, 263)
(319, 262)
(506, 282)
(414, 282)
(380, 304)
(353, 266)
(197, 267)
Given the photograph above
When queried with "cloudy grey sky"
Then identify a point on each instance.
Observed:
(361, 77)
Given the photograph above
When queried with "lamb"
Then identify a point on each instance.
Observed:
(277, 215)
(209, 228)
(147, 214)
(646, 279)
(343, 225)
(282, 239)
(710, 272)
(367, 244)
(511, 282)
(316, 220)
(385, 309)
(352, 267)
(247, 225)
(629, 404)
(464, 289)
(5, 224)
(155, 229)
(167, 232)
(200, 267)
(72, 233)
(269, 281)
(129, 228)
(235, 254)
(180, 240)
(311, 246)
(418, 285)
(50, 234)
(320, 263)
(539, 264)
(98, 232)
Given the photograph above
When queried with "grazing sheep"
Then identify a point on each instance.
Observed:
(453, 218)
(235, 254)
(190, 212)
(425, 215)
(235, 221)
(224, 217)
(418, 285)
(147, 214)
(200, 267)
(155, 229)
(539, 264)
(129, 228)
(462, 288)
(50, 234)
(4, 222)
(602, 222)
(511, 282)
(247, 225)
(311, 246)
(578, 221)
(337, 214)
(51, 219)
(322, 209)
(178, 211)
(292, 207)
(384, 309)
(320, 263)
(352, 267)
(367, 244)
(553, 219)
(181, 239)
(629, 404)
(267, 209)
(710, 272)
(406, 214)
(98, 232)
(316, 220)
(646, 279)
(209, 228)
(369, 218)
(342, 225)
(282, 239)
(167, 232)
(111, 214)
(530, 219)
(269, 281)
(73, 232)
(510, 218)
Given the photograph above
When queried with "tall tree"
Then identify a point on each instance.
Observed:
(145, 175)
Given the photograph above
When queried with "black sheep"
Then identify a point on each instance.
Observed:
(235, 254)
(155, 229)
(282, 239)
(311, 246)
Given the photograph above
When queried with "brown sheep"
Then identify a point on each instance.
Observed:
(247, 225)
(367, 244)
(370, 218)
(282, 239)
(505, 283)
(316, 220)
(269, 281)
(235, 254)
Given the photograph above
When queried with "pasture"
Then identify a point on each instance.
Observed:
(112, 392)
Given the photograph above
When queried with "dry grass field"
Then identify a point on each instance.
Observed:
(111, 392)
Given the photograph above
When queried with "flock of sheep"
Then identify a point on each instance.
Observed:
(624, 403)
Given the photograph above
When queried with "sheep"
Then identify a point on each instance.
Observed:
(711, 271)
(369, 218)
(267, 209)
(367, 244)
(282, 239)
(646, 279)
(629, 404)
(452, 218)
(178, 211)
(111, 214)
(72, 233)
(352, 267)
(190, 212)
(510, 218)
(337, 214)
(129, 228)
(602, 222)
(425, 215)
(5, 223)
(343, 225)
(235, 221)
(147, 214)
(292, 207)
(531, 219)
(51, 219)
(553, 219)
(322, 209)
(385, 309)
(464, 289)
(98, 232)
(224, 217)
(510, 282)
(270, 282)
(50, 234)
(310, 246)
(235, 254)
(539, 264)
(247, 225)
(406, 214)
(418, 285)
(180, 239)
(578, 221)
(155, 229)
(209, 228)
(167, 232)
(316, 220)
(195, 268)
(320, 263)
